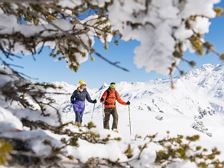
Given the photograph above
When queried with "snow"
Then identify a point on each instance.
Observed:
(201, 25)
(75, 3)
(69, 3)
(35, 139)
(202, 7)
(8, 120)
(186, 164)
(197, 100)
(182, 33)
(110, 151)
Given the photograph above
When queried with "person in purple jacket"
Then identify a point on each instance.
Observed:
(78, 101)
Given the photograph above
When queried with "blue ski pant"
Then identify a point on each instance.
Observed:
(79, 107)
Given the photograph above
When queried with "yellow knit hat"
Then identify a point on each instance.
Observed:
(82, 82)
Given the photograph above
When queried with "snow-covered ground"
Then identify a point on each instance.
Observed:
(195, 106)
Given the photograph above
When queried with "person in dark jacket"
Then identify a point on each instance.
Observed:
(78, 101)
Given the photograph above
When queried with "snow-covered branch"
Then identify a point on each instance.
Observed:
(27, 94)
(165, 29)
(28, 27)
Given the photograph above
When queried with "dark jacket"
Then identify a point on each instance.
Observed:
(81, 96)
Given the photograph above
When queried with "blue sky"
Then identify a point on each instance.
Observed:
(96, 73)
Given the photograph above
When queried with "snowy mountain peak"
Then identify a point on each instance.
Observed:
(219, 67)
(208, 66)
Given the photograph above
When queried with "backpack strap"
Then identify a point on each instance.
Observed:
(108, 92)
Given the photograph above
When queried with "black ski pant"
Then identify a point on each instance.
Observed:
(107, 113)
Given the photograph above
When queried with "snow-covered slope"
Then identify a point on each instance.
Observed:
(197, 95)
(195, 106)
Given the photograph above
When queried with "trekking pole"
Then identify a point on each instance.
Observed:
(93, 111)
(102, 111)
(129, 113)
(103, 114)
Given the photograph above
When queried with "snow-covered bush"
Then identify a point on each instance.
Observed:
(64, 148)
(29, 95)
(181, 148)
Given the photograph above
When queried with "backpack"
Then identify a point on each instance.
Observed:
(108, 93)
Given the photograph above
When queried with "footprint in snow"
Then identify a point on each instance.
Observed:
(160, 118)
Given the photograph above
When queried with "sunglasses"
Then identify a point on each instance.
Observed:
(112, 85)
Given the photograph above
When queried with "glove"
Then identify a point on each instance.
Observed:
(95, 101)
(128, 103)
(72, 101)
(102, 100)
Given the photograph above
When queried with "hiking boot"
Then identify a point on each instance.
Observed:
(116, 130)
(78, 124)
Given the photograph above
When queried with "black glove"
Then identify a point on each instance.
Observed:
(72, 101)
(94, 101)
(128, 102)
(102, 100)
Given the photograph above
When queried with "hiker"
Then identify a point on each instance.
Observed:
(78, 101)
(109, 98)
